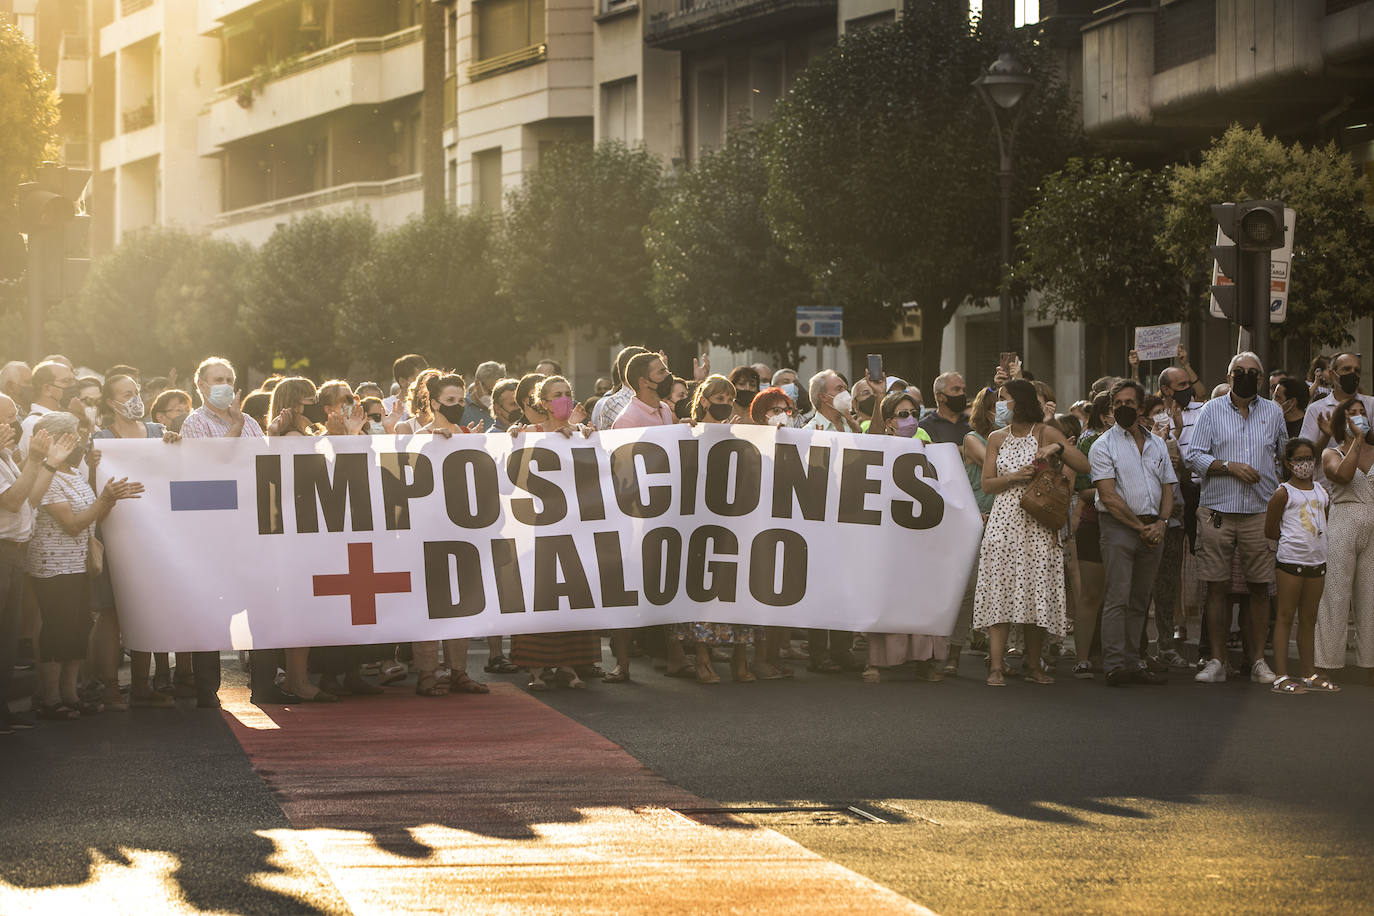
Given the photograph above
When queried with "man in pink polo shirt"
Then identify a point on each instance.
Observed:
(650, 380)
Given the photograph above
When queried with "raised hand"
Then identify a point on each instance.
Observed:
(395, 415)
(123, 488)
(476, 426)
(1324, 424)
(235, 409)
(1182, 356)
(283, 424)
(93, 458)
(578, 416)
(1133, 359)
(701, 367)
(58, 451)
(355, 418)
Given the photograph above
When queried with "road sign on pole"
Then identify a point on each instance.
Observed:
(820, 322)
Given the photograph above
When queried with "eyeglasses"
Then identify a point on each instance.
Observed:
(904, 414)
(375, 417)
(1252, 373)
(780, 410)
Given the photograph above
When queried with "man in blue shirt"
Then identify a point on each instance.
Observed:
(1233, 451)
(1135, 496)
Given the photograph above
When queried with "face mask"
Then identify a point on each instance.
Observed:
(907, 426)
(1162, 419)
(1360, 422)
(720, 412)
(665, 387)
(561, 408)
(1302, 469)
(174, 423)
(515, 416)
(485, 401)
(314, 413)
(792, 391)
(451, 412)
(18, 431)
(956, 403)
(778, 419)
(64, 395)
(866, 406)
(1183, 398)
(1244, 385)
(375, 429)
(744, 398)
(131, 409)
(1348, 382)
(221, 396)
(1125, 416)
(842, 402)
(1003, 417)
(683, 409)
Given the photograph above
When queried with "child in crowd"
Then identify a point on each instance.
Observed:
(1297, 520)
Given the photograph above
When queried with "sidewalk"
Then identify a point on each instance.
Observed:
(499, 804)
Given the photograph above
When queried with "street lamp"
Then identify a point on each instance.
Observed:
(1002, 88)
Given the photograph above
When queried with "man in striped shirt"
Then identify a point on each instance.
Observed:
(1233, 451)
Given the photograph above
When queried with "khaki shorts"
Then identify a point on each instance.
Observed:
(1241, 535)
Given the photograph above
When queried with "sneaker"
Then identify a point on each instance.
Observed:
(1261, 673)
(1083, 670)
(1173, 659)
(1213, 673)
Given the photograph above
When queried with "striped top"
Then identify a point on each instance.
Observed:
(1222, 433)
(203, 423)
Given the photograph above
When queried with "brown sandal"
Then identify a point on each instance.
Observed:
(464, 684)
(428, 686)
(707, 675)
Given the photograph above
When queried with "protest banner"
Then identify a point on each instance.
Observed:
(347, 540)
(1158, 341)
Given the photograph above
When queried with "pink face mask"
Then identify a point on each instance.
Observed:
(561, 408)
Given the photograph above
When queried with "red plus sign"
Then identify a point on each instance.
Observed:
(361, 584)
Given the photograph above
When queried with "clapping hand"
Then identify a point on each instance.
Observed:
(56, 452)
(396, 414)
(235, 409)
(93, 457)
(122, 488)
(701, 367)
(1324, 424)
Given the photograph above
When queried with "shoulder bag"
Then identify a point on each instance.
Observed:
(1046, 498)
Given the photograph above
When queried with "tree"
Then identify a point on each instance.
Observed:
(297, 289)
(1333, 250)
(28, 110)
(883, 178)
(114, 318)
(1088, 244)
(719, 273)
(573, 253)
(198, 304)
(430, 286)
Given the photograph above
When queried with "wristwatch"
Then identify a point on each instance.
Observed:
(48, 466)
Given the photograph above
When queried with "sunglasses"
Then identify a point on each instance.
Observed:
(904, 414)
(1252, 373)
(375, 417)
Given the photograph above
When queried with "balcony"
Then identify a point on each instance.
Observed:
(76, 152)
(684, 25)
(389, 203)
(131, 147)
(363, 71)
(73, 57)
(138, 20)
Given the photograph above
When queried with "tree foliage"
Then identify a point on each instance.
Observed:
(297, 288)
(199, 302)
(719, 272)
(1333, 252)
(573, 252)
(28, 110)
(884, 173)
(1089, 245)
(429, 286)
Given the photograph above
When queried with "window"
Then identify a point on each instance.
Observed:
(620, 110)
(507, 26)
(1027, 12)
(765, 84)
(709, 104)
(487, 180)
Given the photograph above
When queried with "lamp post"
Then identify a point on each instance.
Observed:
(1002, 88)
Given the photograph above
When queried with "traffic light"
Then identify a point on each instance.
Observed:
(1247, 233)
(48, 212)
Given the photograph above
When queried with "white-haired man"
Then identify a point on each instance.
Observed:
(948, 422)
(833, 402)
(218, 416)
(1234, 451)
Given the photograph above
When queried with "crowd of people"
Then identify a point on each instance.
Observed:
(1105, 525)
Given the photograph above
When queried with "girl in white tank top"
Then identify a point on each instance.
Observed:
(1297, 520)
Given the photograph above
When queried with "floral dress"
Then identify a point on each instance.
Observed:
(1021, 565)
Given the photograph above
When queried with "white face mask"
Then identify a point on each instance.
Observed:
(132, 409)
(778, 419)
(842, 401)
(376, 429)
(221, 396)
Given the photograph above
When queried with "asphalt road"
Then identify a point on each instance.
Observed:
(1073, 797)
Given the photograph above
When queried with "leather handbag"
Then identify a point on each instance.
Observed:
(95, 557)
(1046, 498)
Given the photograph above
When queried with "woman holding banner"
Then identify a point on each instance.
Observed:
(555, 657)
(443, 397)
(900, 414)
(59, 560)
(1021, 565)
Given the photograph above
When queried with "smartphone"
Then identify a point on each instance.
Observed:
(875, 367)
(1006, 361)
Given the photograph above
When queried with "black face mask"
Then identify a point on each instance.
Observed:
(18, 428)
(720, 411)
(683, 408)
(865, 406)
(956, 403)
(1182, 398)
(451, 412)
(1244, 384)
(314, 413)
(1348, 382)
(64, 395)
(1125, 416)
(744, 397)
(665, 388)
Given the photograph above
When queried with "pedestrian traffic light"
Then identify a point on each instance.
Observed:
(1246, 234)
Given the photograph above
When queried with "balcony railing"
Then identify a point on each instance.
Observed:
(341, 194)
(688, 23)
(265, 74)
(500, 62)
(144, 115)
(129, 7)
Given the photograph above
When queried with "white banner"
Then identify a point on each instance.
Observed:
(248, 543)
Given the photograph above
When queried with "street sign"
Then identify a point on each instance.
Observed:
(820, 322)
(1280, 273)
